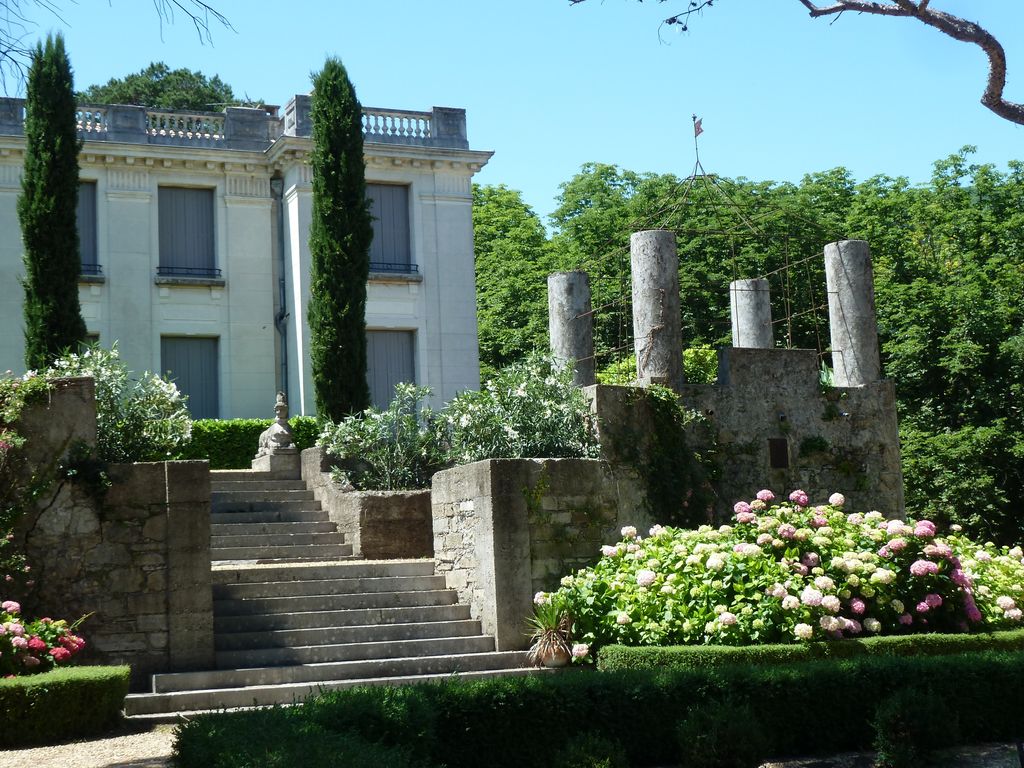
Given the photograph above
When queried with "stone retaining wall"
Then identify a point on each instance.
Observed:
(380, 525)
(136, 558)
(825, 439)
(505, 529)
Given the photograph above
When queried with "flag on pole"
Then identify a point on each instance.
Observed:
(697, 129)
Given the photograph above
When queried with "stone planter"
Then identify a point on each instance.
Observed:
(505, 529)
(380, 525)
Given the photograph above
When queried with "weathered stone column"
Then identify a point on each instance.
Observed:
(751, 313)
(851, 313)
(656, 323)
(570, 323)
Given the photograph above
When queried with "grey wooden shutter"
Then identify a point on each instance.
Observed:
(192, 364)
(186, 232)
(390, 250)
(390, 359)
(86, 216)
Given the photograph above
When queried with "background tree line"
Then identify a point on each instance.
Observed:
(949, 282)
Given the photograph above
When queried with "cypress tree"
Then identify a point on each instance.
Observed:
(339, 244)
(47, 208)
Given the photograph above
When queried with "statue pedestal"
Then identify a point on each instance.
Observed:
(281, 461)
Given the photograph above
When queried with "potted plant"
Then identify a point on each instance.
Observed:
(549, 634)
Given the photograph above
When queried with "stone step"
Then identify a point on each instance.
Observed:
(366, 633)
(271, 605)
(223, 625)
(236, 475)
(327, 587)
(305, 553)
(356, 569)
(228, 505)
(270, 529)
(336, 670)
(324, 654)
(156, 707)
(222, 498)
(231, 486)
(268, 516)
(275, 540)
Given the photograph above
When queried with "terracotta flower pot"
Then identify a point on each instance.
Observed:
(557, 657)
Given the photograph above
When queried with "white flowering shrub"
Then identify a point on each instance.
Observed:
(788, 572)
(530, 409)
(137, 419)
(390, 450)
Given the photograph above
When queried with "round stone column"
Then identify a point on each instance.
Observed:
(657, 330)
(571, 324)
(751, 305)
(851, 313)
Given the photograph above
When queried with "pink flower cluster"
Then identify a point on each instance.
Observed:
(33, 646)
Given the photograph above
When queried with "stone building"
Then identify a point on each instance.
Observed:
(195, 259)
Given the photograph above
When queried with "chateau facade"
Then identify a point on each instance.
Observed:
(194, 232)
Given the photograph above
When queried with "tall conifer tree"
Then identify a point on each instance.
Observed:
(339, 244)
(47, 208)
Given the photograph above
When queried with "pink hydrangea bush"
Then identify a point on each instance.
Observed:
(27, 647)
(787, 571)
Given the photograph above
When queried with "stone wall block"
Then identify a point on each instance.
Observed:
(69, 417)
(189, 587)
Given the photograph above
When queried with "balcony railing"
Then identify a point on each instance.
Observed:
(186, 126)
(208, 272)
(91, 270)
(243, 127)
(394, 267)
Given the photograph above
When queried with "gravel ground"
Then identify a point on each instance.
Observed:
(149, 748)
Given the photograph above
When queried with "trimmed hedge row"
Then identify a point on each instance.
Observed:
(232, 443)
(619, 657)
(60, 704)
(815, 707)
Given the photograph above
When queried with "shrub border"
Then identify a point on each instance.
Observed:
(61, 704)
(620, 657)
(816, 707)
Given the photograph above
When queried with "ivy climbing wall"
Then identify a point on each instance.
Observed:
(766, 422)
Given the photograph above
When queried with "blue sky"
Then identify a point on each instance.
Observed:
(548, 86)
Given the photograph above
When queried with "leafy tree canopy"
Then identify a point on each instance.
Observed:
(160, 86)
(512, 264)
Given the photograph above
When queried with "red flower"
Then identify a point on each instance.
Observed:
(60, 654)
(35, 643)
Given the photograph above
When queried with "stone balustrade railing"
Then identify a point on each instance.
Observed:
(391, 124)
(243, 127)
(190, 126)
(91, 119)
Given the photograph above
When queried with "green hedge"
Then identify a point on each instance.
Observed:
(618, 657)
(60, 704)
(232, 443)
(815, 707)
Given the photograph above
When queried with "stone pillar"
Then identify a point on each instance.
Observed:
(571, 324)
(751, 305)
(656, 322)
(851, 313)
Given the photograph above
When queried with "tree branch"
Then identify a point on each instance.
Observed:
(952, 26)
(17, 28)
(197, 11)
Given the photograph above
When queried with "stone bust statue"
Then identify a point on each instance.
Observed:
(278, 435)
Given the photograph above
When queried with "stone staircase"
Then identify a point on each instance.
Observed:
(295, 613)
